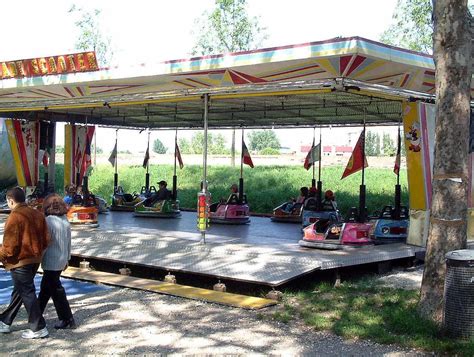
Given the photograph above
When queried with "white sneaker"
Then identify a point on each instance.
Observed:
(4, 328)
(29, 334)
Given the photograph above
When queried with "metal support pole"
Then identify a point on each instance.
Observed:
(147, 176)
(319, 197)
(362, 192)
(241, 180)
(116, 163)
(175, 178)
(398, 190)
(52, 158)
(204, 157)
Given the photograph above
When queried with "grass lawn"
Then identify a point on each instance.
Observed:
(266, 186)
(364, 309)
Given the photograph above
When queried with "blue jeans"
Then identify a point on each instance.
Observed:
(24, 293)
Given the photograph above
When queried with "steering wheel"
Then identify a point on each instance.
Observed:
(233, 199)
(386, 212)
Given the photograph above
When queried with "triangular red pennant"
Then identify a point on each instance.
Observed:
(246, 159)
(358, 159)
(396, 167)
(307, 164)
(146, 158)
(178, 156)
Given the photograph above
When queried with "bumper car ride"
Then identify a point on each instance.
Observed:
(390, 227)
(158, 209)
(230, 213)
(83, 217)
(332, 236)
(122, 201)
(288, 212)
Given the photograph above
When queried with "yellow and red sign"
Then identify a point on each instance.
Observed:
(33, 67)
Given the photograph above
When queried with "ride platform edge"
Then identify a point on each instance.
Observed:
(188, 292)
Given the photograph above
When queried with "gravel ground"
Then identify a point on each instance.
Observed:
(409, 279)
(123, 321)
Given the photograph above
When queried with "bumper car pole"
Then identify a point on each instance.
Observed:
(116, 163)
(204, 160)
(362, 211)
(319, 196)
(175, 179)
(45, 184)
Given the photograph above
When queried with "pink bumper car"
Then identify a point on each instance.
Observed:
(234, 211)
(328, 235)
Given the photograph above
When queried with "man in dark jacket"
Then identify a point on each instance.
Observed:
(25, 238)
(163, 193)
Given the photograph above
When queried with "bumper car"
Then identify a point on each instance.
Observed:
(288, 212)
(389, 226)
(234, 211)
(35, 199)
(311, 214)
(333, 235)
(83, 213)
(122, 201)
(328, 235)
(151, 207)
(101, 204)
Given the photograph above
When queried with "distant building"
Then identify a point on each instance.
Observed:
(343, 150)
(327, 150)
(330, 150)
(287, 150)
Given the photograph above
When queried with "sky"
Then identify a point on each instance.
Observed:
(148, 31)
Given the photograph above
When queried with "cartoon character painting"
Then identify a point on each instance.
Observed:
(414, 136)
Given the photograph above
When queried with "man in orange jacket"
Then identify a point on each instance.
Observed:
(25, 238)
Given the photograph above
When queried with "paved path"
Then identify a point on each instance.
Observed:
(122, 321)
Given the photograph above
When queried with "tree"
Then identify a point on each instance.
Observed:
(227, 28)
(158, 147)
(389, 148)
(372, 144)
(90, 36)
(218, 145)
(262, 139)
(215, 144)
(184, 146)
(412, 27)
(447, 232)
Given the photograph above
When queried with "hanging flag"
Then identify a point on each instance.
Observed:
(313, 156)
(77, 152)
(246, 159)
(113, 155)
(87, 159)
(358, 159)
(396, 167)
(178, 156)
(147, 157)
(46, 142)
(78, 156)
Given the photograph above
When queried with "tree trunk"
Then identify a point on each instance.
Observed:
(450, 171)
(232, 149)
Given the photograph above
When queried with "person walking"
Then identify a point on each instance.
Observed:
(55, 260)
(25, 238)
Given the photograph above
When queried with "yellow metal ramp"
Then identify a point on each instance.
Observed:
(188, 292)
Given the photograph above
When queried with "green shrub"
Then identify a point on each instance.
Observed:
(266, 186)
(269, 151)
